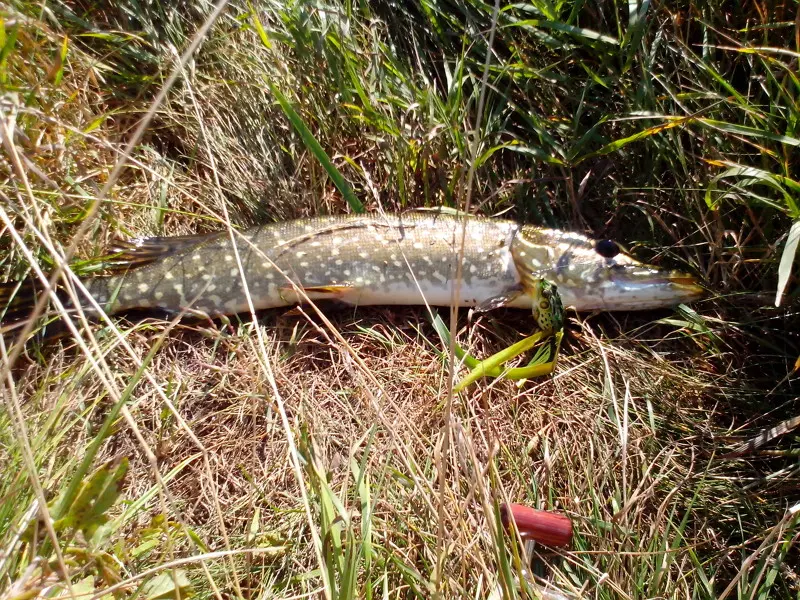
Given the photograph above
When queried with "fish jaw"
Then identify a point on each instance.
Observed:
(655, 289)
(631, 295)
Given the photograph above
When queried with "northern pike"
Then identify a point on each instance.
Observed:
(379, 259)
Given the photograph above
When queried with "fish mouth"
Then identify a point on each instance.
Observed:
(656, 276)
(686, 284)
(682, 279)
(642, 288)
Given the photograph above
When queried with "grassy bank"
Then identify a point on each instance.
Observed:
(297, 456)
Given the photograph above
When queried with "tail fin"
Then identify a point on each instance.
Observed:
(17, 300)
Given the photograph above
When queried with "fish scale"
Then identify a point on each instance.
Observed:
(395, 259)
(410, 258)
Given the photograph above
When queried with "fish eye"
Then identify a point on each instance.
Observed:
(607, 248)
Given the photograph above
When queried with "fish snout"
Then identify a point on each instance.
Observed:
(686, 286)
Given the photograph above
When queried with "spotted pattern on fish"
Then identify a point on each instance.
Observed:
(408, 258)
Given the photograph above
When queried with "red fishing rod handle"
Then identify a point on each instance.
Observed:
(547, 528)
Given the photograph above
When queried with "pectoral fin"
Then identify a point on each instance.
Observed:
(500, 300)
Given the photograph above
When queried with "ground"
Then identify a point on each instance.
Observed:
(321, 454)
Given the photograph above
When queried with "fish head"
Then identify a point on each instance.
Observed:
(597, 274)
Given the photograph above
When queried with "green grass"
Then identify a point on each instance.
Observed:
(305, 455)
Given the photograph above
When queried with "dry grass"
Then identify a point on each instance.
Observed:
(306, 451)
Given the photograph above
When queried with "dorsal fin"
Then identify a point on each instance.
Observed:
(130, 254)
(442, 210)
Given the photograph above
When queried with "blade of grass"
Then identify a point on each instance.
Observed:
(316, 149)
